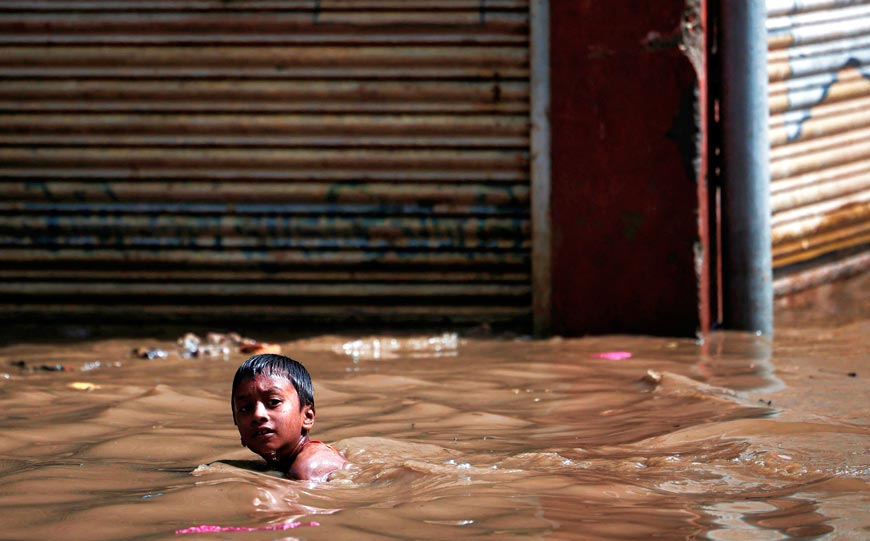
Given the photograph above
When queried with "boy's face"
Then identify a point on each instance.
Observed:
(268, 416)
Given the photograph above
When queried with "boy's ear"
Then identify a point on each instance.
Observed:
(308, 417)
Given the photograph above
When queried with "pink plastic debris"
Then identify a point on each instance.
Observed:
(613, 355)
(209, 528)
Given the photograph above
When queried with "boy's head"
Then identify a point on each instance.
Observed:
(270, 364)
(273, 406)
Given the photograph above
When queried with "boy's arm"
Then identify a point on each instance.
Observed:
(315, 463)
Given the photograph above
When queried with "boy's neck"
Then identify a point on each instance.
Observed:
(284, 462)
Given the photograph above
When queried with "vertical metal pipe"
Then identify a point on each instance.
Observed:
(697, 43)
(539, 58)
(746, 250)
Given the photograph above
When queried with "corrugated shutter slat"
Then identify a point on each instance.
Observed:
(819, 53)
(341, 159)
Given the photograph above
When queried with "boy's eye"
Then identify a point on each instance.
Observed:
(275, 402)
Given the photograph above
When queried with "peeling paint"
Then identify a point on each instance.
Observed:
(820, 125)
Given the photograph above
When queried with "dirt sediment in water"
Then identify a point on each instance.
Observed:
(492, 437)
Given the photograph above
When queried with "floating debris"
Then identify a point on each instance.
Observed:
(83, 386)
(192, 346)
(189, 345)
(215, 350)
(222, 345)
(217, 337)
(257, 348)
(652, 377)
(371, 349)
(44, 367)
(216, 345)
(613, 355)
(211, 528)
(55, 368)
(445, 344)
(377, 348)
(150, 353)
(93, 365)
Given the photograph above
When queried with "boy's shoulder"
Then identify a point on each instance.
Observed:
(316, 461)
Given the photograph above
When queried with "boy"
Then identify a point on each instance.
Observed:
(273, 408)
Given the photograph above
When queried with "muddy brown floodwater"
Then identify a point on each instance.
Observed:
(459, 437)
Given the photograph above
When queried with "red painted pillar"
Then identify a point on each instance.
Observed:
(624, 198)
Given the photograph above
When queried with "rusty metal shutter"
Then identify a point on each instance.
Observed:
(819, 68)
(308, 159)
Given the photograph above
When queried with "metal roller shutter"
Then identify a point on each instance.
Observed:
(819, 68)
(327, 159)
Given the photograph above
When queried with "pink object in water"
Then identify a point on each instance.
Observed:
(208, 528)
(613, 355)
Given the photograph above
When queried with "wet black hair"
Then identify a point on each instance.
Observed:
(270, 364)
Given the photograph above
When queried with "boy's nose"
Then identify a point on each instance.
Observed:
(259, 411)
